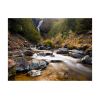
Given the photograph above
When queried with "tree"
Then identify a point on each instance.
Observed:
(25, 27)
(84, 24)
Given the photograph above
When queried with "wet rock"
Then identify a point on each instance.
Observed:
(21, 65)
(56, 61)
(48, 48)
(89, 52)
(42, 47)
(28, 53)
(45, 53)
(86, 60)
(62, 51)
(76, 53)
(34, 73)
(38, 64)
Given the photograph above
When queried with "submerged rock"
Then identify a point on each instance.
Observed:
(34, 73)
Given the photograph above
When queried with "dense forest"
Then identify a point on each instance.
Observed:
(58, 29)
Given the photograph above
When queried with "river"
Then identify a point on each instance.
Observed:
(60, 68)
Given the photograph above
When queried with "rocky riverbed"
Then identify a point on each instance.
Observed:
(59, 64)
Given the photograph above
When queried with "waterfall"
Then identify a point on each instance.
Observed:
(40, 23)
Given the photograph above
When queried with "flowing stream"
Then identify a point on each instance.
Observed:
(60, 66)
(69, 62)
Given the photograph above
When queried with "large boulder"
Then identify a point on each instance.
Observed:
(86, 60)
(76, 53)
(38, 64)
(62, 51)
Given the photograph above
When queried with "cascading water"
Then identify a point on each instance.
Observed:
(40, 23)
(69, 62)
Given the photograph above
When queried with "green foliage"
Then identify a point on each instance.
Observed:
(84, 24)
(58, 27)
(25, 27)
(50, 27)
(63, 26)
(68, 25)
(48, 42)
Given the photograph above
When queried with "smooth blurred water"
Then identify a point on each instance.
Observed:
(68, 62)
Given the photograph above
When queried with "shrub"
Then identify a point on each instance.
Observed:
(48, 42)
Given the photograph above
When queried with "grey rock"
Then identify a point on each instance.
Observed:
(34, 73)
(87, 60)
(76, 53)
(45, 53)
(41, 47)
(38, 64)
(21, 65)
(62, 51)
